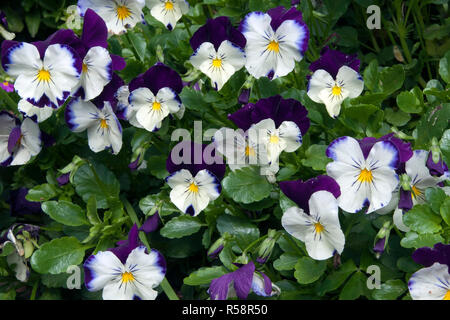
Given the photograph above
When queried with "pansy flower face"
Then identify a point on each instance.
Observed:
(364, 181)
(102, 125)
(47, 81)
(315, 221)
(134, 279)
(119, 15)
(275, 40)
(153, 96)
(335, 78)
(218, 50)
(240, 148)
(195, 177)
(168, 11)
(18, 142)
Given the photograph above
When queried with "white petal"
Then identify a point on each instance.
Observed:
(430, 283)
(297, 223)
(169, 98)
(31, 139)
(232, 54)
(384, 182)
(382, 154)
(30, 110)
(147, 269)
(99, 72)
(346, 150)
(182, 177)
(103, 267)
(416, 168)
(290, 133)
(207, 184)
(21, 156)
(392, 204)
(81, 115)
(319, 81)
(351, 82)
(22, 60)
(116, 290)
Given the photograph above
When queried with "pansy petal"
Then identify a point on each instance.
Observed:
(97, 72)
(432, 283)
(296, 222)
(148, 269)
(101, 269)
(398, 220)
(351, 81)
(290, 133)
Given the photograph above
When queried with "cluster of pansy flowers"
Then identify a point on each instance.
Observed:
(363, 174)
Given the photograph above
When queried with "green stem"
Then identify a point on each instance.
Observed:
(9, 101)
(187, 26)
(251, 245)
(165, 285)
(130, 43)
(34, 290)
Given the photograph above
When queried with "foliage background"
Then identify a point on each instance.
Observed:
(405, 66)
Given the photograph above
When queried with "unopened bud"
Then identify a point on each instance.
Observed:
(266, 247)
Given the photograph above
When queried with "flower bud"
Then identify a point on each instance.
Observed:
(266, 247)
(218, 246)
(382, 239)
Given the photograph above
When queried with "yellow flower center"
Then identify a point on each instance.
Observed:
(249, 151)
(217, 63)
(365, 176)
(193, 187)
(84, 68)
(415, 192)
(336, 90)
(319, 227)
(273, 46)
(274, 139)
(156, 106)
(123, 12)
(447, 295)
(43, 75)
(169, 5)
(103, 124)
(5, 83)
(127, 276)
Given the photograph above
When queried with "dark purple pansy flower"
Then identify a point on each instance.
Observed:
(20, 206)
(436, 169)
(216, 31)
(63, 179)
(428, 256)
(300, 192)
(275, 108)
(404, 148)
(151, 224)
(332, 60)
(195, 157)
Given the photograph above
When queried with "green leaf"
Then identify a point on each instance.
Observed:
(371, 76)
(57, 255)
(181, 226)
(138, 42)
(422, 220)
(390, 290)
(193, 100)
(158, 166)
(204, 275)
(445, 211)
(432, 124)
(243, 230)
(392, 78)
(335, 279)
(362, 118)
(355, 287)
(397, 118)
(43, 192)
(285, 202)
(308, 270)
(414, 240)
(445, 145)
(247, 185)
(91, 208)
(316, 157)
(150, 204)
(435, 198)
(7, 249)
(444, 67)
(33, 20)
(86, 185)
(286, 261)
(65, 212)
(408, 102)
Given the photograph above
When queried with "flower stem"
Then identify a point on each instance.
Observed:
(34, 290)
(165, 285)
(187, 26)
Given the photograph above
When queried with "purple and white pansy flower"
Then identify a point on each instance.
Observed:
(366, 176)
(43, 80)
(218, 50)
(154, 95)
(335, 77)
(103, 128)
(168, 11)
(279, 125)
(275, 41)
(241, 282)
(418, 176)
(18, 141)
(119, 15)
(127, 272)
(432, 282)
(195, 175)
(315, 221)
